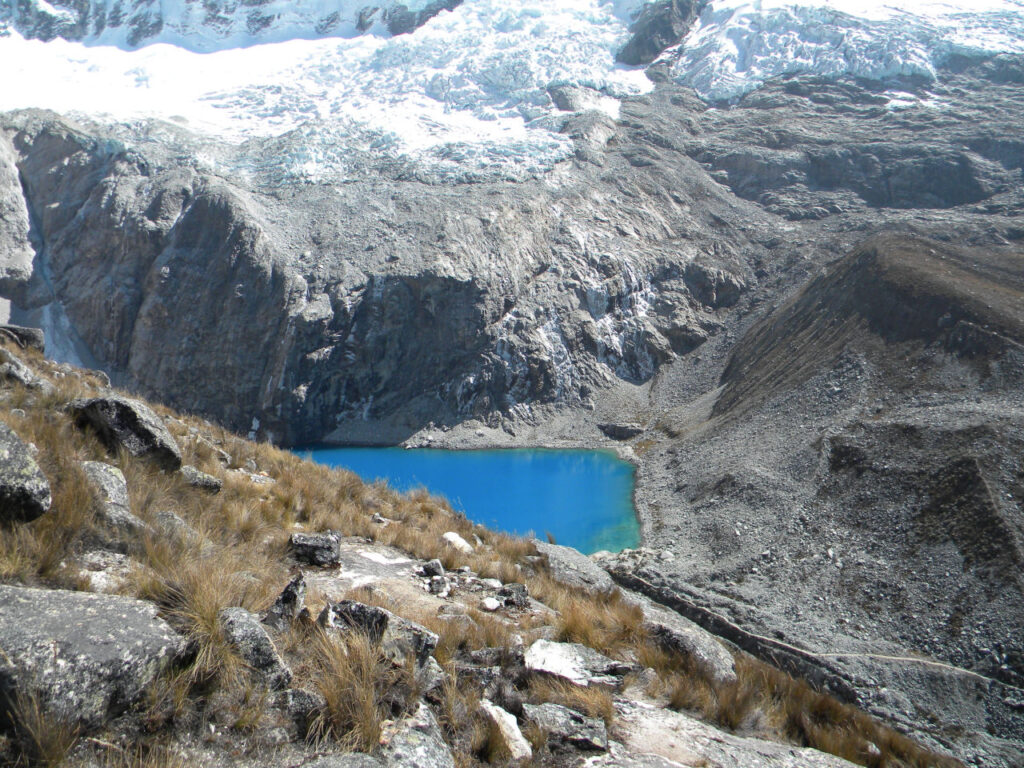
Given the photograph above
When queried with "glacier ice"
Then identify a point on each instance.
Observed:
(464, 97)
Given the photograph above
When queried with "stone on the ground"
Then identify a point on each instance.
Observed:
(322, 549)
(574, 569)
(174, 527)
(490, 604)
(27, 338)
(24, 489)
(576, 663)
(106, 571)
(416, 742)
(399, 638)
(122, 423)
(507, 728)
(244, 632)
(288, 605)
(515, 595)
(300, 705)
(201, 480)
(13, 369)
(438, 585)
(84, 657)
(459, 543)
(677, 633)
(430, 677)
(566, 728)
(433, 568)
(111, 491)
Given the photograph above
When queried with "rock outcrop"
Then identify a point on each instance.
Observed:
(123, 423)
(82, 657)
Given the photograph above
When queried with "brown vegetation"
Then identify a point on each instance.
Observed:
(237, 557)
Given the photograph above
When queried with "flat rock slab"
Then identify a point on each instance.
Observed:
(129, 424)
(576, 663)
(574, 569)
(646, 728)
(85, 656)
(567, 728)
(416, 742)
(505, 722)
(24, 489)
(348, 760)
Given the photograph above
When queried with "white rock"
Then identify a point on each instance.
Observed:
(458, 542)
(490, 604)
(518, 746)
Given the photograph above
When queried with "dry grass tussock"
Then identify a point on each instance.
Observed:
(234, 555)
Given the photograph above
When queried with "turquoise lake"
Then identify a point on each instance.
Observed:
(582, 498)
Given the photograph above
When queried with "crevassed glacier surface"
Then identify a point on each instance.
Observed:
(466, 94)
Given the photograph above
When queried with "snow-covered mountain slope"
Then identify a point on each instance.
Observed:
(468, 94)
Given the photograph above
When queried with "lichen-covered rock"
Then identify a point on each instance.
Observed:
(254, 645)
(399, 638)
(111, 491)
(84, 657)
(677, 633)
(576, 663)
(13, 369)
(506, 726)
(288, 605)
(175, 527)
(347, 760)
(201, 480)
(300, 705)
(24, 489)
(574, 569)
(322, 549)
(567, 728)
(122, 423)
(416, 742)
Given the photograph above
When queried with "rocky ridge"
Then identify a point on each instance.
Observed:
(193, 660)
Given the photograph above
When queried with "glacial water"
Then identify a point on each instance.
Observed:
(584, 499)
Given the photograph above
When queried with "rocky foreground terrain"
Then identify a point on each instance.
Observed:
(174, 595)
(798, 312)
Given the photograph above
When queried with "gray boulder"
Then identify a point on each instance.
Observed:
(84, 657)
(566, 728)
(288, 605)
(175, 527)
(254, 645)
(111, 490)
(24, 489)
(201, 480)
(416, 742)
(13, 369)
(26, 338)
(576, 663)
(322, 549)
(122, 423)
(574, 569)
(505, 724)
(300, 705)
(623, 431)
(398, 638)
